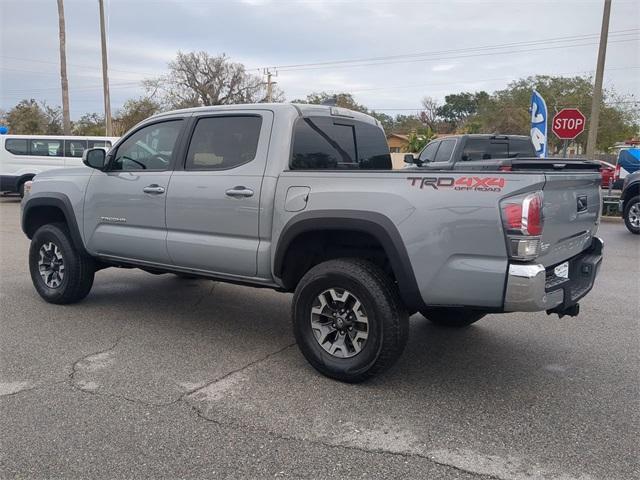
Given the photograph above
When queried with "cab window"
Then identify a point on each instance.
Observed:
(429, 152)
(150, 148)
(445, 151)
(220, 143)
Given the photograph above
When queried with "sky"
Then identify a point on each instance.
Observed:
(424, 48)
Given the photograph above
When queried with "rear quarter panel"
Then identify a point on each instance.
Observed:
(453, 235)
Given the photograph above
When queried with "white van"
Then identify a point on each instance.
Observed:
(24, 156)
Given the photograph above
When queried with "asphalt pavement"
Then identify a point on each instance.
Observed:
(153, 376)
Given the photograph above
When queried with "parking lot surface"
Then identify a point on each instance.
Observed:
(162, 377)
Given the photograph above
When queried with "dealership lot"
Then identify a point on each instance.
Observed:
(156, 376)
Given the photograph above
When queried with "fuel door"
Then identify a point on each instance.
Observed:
(296, 199)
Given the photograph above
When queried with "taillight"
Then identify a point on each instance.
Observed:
(617, 172)
(523, 222)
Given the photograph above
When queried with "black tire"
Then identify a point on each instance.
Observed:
(452, 317)
(79, 269)
(626, 214)
(388, 325)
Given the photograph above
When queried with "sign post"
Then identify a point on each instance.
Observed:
(567, 124)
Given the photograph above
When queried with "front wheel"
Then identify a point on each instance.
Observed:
(631, 214)
(452, 317)
(60, 274)
(348, 319)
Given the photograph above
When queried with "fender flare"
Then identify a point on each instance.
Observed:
(376, 224)
(61, 202)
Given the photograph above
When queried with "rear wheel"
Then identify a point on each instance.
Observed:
(452, 317)
(631, 214)
(60, 274)
(348, 319)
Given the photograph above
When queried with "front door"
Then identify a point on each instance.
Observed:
(124, 214)
(213, 204)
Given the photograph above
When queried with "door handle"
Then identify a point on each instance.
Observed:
(153, 188)
(239, 192)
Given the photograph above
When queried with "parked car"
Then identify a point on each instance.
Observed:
(471, 151)
(630, 202)
(302, 198)
(24, 156)
(607, 173)
(628, 163)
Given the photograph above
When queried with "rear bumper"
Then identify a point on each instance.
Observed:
(533, 288)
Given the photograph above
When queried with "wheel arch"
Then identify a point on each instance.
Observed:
(52, 208)
(373, 224)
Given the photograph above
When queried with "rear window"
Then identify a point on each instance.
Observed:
(490, 149)
(326, 143)
(17, 146)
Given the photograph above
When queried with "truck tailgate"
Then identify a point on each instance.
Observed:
(571, 214)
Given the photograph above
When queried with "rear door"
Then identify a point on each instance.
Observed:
(213, 204)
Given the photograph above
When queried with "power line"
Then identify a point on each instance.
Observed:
(460, 50)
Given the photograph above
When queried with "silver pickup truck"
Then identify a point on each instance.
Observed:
(302, 198)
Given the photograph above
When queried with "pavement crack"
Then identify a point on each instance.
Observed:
(237, 370)
(205, 295)
(74, 365)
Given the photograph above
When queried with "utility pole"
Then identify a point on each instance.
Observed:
(66, 116)
(270, 84)
(597, 88)
(105, 76)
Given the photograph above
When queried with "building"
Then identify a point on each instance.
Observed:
(397, 143)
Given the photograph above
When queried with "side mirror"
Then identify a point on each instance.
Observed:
(409, 158)
(95, 158)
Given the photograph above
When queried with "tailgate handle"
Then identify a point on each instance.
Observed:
(582, 203)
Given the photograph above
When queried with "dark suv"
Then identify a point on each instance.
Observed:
(471, 151)
(630, 202)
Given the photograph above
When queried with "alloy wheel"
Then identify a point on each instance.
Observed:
(51, 265)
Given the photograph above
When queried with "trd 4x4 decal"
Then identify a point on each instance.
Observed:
(478, 184)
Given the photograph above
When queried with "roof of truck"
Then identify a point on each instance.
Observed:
(303, 109)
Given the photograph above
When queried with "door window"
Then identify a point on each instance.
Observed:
(46, 148)
(429, 153)
(445, 151)
(99, 143)
(150, 148)
(74, 148)
(220, 143)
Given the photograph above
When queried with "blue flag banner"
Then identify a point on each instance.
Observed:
(539, 124)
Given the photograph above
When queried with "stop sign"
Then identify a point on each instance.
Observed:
(568, 123)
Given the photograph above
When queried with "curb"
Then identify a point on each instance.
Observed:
(609, 219)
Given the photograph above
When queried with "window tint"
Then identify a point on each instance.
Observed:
(150, 148)
(74, 148)
(521, 147)
(99, 143)
(484, 149)
(429, 153)
(46, 148)
(445, 151)
(17, 146)
(373, 149)
(329, 143)
(223, 142)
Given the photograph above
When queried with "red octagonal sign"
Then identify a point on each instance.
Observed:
(568, 123)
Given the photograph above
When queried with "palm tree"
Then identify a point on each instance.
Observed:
(66, 118)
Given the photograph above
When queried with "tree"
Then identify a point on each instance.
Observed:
(90, 124)
(507, 110)
(409, 123)
(343, 100)
(429, 115)
(30, 118)
(197, 79)
(66, 117)
(133, 112)
(418, 141)
(386, 120)
(460, 106)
